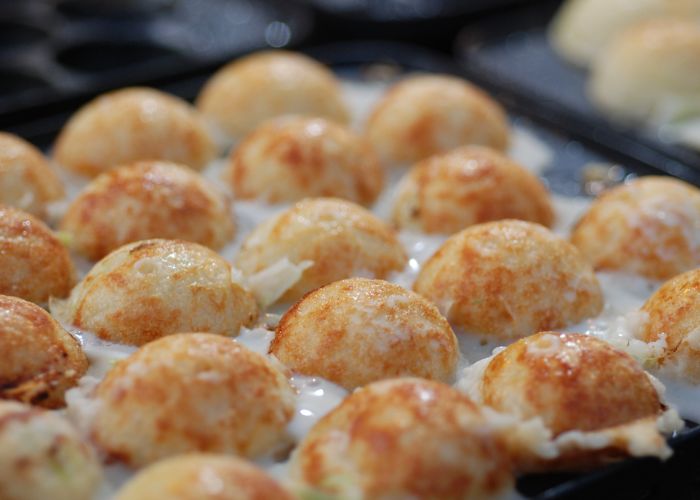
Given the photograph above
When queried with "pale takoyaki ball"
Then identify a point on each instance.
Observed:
(202, 477)
(674, 313)
(469, 185)
(402, 438)
(510, 279)
(34, 265)
(339, 239)
(428, 114)
(147, 200)
(148, 289)
(290, 158)
(133, 124)
(651, 71)
(649, 227)
(27, 181)
(582, 29)
(42, 456)
(40, 360)
(356, 331)
(192, 392)
(250, 90)
(571, 381)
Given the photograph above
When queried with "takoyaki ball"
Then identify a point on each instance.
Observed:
(356, 331)
(674, 313)
(133, 124)
(649, 227)
(650, 72)
(192, 392)
(40, 359)
(42, 456)
(202, 477)
(148, 289)
(250, 90)
(575, 382)
(470, 185)
(583, 29)
(27, 181)
(510, 279)
(571, 381)
(291, 158)
(428, 114)
(34, 264)
(147, 200)
(402, 438)
(337, 238)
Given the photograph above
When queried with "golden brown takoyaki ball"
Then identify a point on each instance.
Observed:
(580, 385)
(571, 381)
(469, 185)
(402, 438)
(290, 158)
(428, 114)
(649, 227)
(192, 392)
(510, 279)
(583, 29)
(674, 312)
(250, 90)
(356, 331)
(147, 200)
(202, 477)
(27, 181)
(34, 265)
(339, 238)
(148, 289)
(133, 124)
(40, 360)
(42, 456)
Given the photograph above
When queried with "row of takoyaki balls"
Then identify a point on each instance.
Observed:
(549, 401)
(203, 392)
(184, 392)
(505, 279)
(648, 227)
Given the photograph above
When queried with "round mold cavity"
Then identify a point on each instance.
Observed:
(15, 35)
(105, 56)
(15, 82)
(123, 9)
